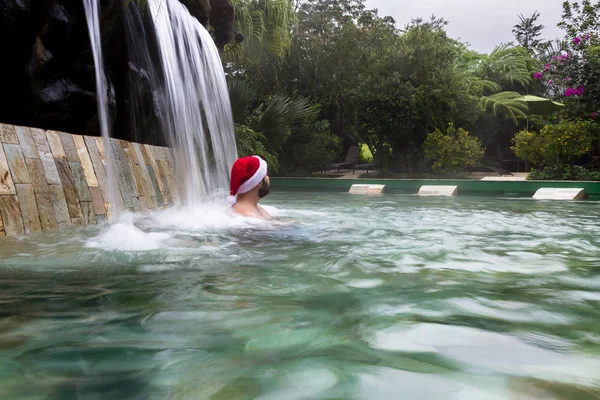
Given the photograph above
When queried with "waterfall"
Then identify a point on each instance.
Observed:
(179, 60)
(92, 12)
(194, 99)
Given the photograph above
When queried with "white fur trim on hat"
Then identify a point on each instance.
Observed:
(251, 183)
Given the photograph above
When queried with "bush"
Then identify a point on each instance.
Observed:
(565, 142)
(554, 148)
(311, 147)
(528, 146)
(452, 151)
(562, 173)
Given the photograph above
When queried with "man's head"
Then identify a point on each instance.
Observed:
(248, 174)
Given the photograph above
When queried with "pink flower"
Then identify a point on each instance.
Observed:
(550, 82)
(594, 114)
(577, 41)
(554, 58)
(538, 75)
(547, 67)
(587, 36)
(570, 92)
(567, 79)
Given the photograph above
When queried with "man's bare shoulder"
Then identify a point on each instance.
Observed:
(250, 211)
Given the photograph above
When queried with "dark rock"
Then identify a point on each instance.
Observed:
(48, 75)
(221, 19)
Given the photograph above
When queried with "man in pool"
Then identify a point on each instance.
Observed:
(249, 183)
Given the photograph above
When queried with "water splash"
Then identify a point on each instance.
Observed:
(92, 13)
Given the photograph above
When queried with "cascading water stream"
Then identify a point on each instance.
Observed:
(194, 99)
(92, 12)
(188, 88)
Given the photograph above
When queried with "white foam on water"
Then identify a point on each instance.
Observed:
(204, 217)
(127, 237)
(365, 283)
(169, 228)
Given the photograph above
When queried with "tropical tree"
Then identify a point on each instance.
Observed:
(511, 68)
(266, 25)
(280, 128)
(527, 33)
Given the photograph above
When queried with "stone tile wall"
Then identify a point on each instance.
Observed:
(51, 179)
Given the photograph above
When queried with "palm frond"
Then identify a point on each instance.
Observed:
(241, 96)
(265, 24)
(507, 66)
(506, 105)
(280, 111)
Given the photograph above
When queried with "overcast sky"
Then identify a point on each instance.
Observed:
(482, 23)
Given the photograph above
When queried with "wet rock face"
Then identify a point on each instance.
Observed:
(47, 75)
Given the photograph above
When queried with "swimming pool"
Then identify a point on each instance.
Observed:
(352, 297)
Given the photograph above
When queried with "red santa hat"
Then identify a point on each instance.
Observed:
(246, 174)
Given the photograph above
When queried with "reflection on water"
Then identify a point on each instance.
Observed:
(391, 297)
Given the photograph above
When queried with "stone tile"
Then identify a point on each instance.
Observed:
(138, 181)
(8, 134)
(68, 184)
(29, 210)
(101, 150)
(39, 137)
(123, 176)
(159, 195)
(101, 219)
(143, 204)
(69, 147)
(96, 160)
(97, 201)
(145, 153)
(154, 167)
(170, 176)
(149, 190)
(86, 162)
(61, 210)
(56, 146)
(2, 233)
(11, 215)
(50, 170)
(64, 225)
(137, 205)
(16, 162)
(37, 175)
(89, 216)
(7, 185)
(81, 185)
(101, 173)
(78, 221)
(130, 151)
(156, 202)
(162, 175)
(26, 142)
(46, 211)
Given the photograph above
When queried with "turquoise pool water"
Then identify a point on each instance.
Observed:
(350, 297)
